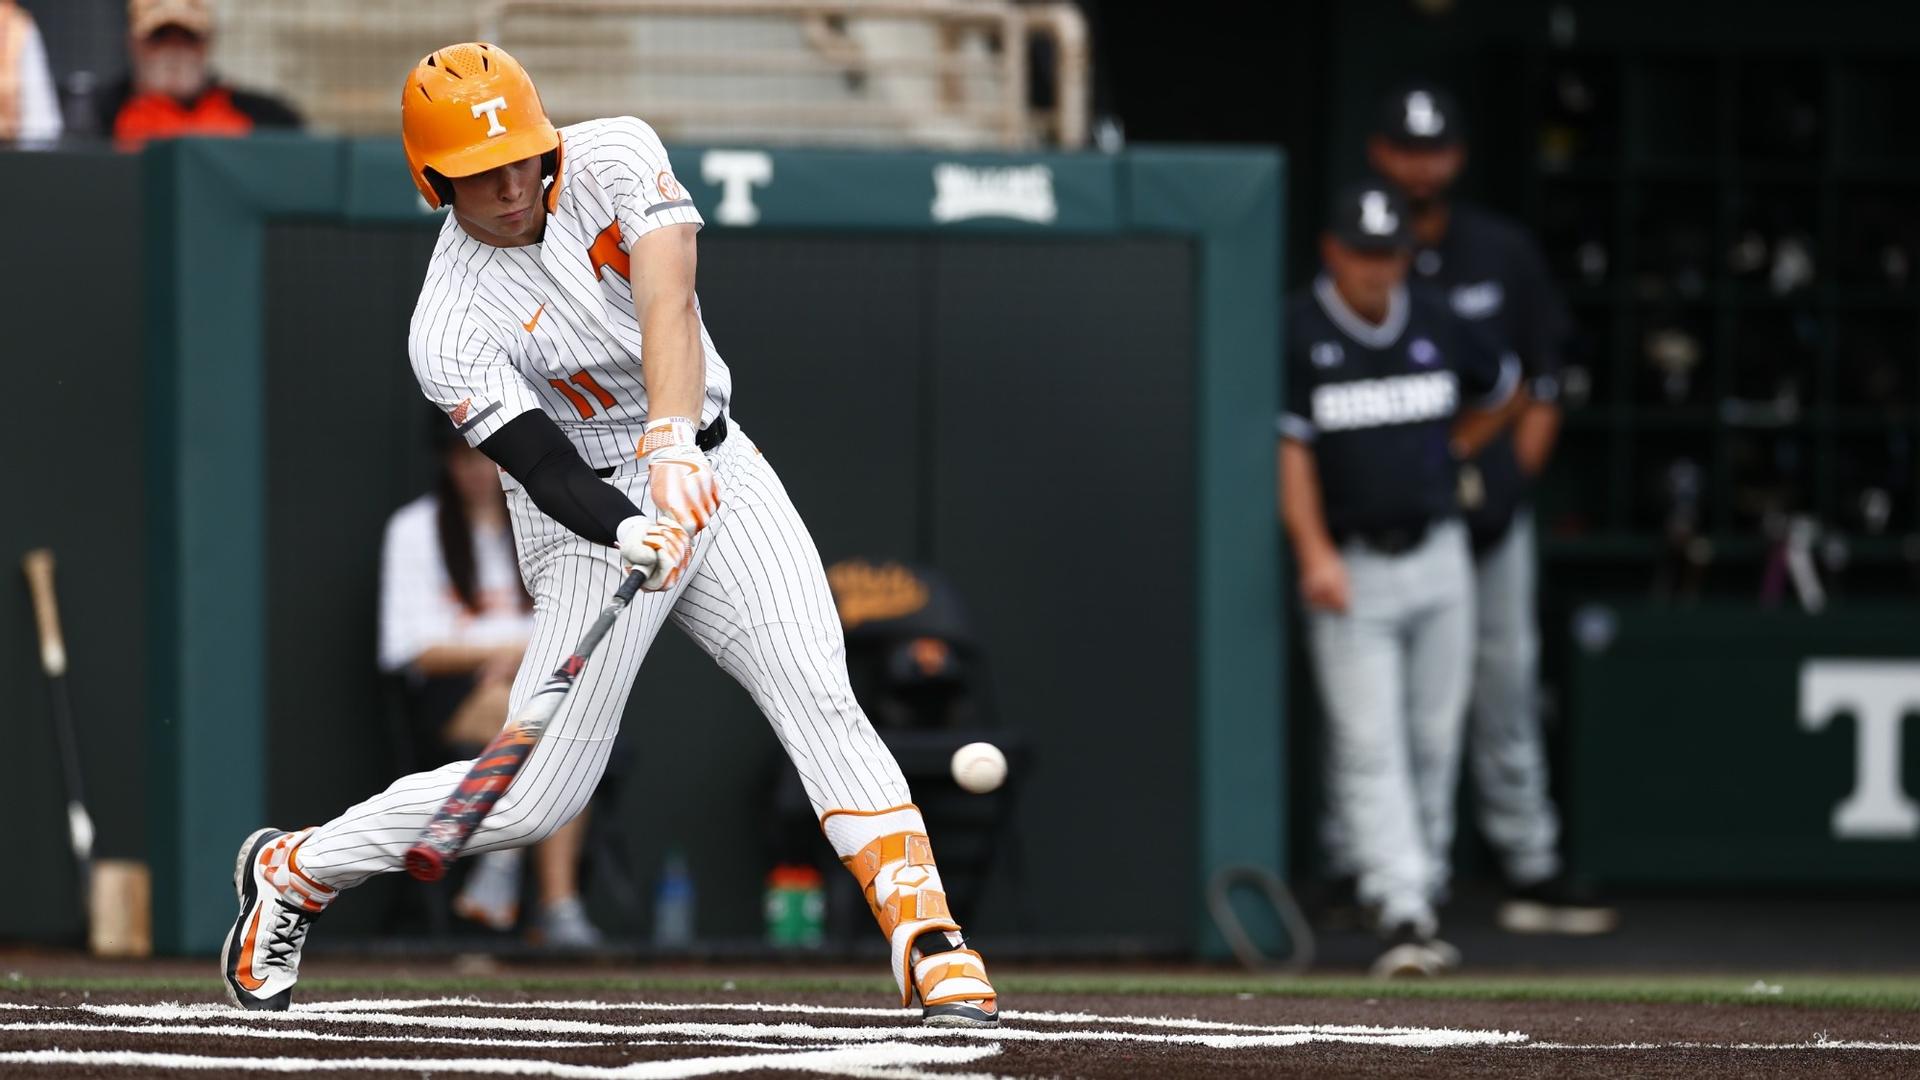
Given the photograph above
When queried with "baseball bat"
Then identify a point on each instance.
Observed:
(38, 566)
(452, 825)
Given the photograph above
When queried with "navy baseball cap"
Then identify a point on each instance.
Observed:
(1422, 116)
(1371, 216)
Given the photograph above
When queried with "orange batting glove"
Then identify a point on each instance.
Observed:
(679, 476)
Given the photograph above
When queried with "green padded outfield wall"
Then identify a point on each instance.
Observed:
(1203, 224)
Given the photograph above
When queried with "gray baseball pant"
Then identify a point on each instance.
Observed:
(1505, 749)
(1393, 673)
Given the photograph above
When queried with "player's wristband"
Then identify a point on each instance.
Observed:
(667, 431)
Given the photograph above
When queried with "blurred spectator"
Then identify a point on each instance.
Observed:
(1376, 375)
(454, 620)
(29, 108)
(912, 655)
(171, 91)
(1494, 276)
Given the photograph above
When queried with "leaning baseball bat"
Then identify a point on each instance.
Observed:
(38, 566)
(494, 770)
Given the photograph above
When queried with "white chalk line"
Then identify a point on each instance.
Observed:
(885, 1061)
(880, 1053)
(235, 1031)
(906, 1015)
(1423, 1038)
(238, 1031)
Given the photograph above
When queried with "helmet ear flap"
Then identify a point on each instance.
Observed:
(442, 186)
(550, 168)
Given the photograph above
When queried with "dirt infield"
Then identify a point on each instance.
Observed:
(669, 1033)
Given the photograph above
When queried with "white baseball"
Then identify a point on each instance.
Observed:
(979, 767)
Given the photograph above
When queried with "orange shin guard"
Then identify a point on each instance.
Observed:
(888, 853)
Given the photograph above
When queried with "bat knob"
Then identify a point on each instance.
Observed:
(426, 863)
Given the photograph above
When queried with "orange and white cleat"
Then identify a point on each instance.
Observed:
(261, 959)
(954, 991)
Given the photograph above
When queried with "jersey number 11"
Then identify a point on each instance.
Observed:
(580, 403)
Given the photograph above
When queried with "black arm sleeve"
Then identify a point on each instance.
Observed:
(532, 450)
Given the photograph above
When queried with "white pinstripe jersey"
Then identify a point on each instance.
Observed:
(498, 331)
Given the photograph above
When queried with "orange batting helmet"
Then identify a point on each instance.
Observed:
(468, 108)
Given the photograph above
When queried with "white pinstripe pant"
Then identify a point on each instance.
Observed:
(754, 597)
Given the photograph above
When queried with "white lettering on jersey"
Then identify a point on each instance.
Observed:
(1376, 214)
(1477, 300)
(1396, 399)
(737, 172)
(493, 107)
(551, 326)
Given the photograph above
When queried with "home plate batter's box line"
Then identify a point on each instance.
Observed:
(229, 1031)
(363, 1007)
(905, 1015)
(892, 1061)
(1421, 1038)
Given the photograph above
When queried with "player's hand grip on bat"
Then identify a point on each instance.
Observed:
(679, 476)
(656, 545)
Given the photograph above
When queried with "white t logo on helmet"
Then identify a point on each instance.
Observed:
(1376, 214)
(1422, 118)
(492, 107)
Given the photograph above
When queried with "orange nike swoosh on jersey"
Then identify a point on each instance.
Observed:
(244, 976)
(535, 321)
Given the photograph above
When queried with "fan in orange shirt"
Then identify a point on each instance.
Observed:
(172, 91)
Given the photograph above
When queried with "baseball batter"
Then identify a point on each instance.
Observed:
(565, 253)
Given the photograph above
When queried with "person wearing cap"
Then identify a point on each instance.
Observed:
(1377, 374)
(1493, 275)
(171, 91)
(29, 107)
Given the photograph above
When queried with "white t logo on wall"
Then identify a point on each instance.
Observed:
(737, 172)
(1879, 694)
(493, 107)
(1376, 214)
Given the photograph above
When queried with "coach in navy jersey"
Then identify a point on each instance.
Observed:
(1493, 275)
(1376, 375)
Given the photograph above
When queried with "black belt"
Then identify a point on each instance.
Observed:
(709, 437)
(1388, 540)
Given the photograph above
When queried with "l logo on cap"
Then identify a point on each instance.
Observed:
(1376, 214)
(1422, 118)
(492, 107)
